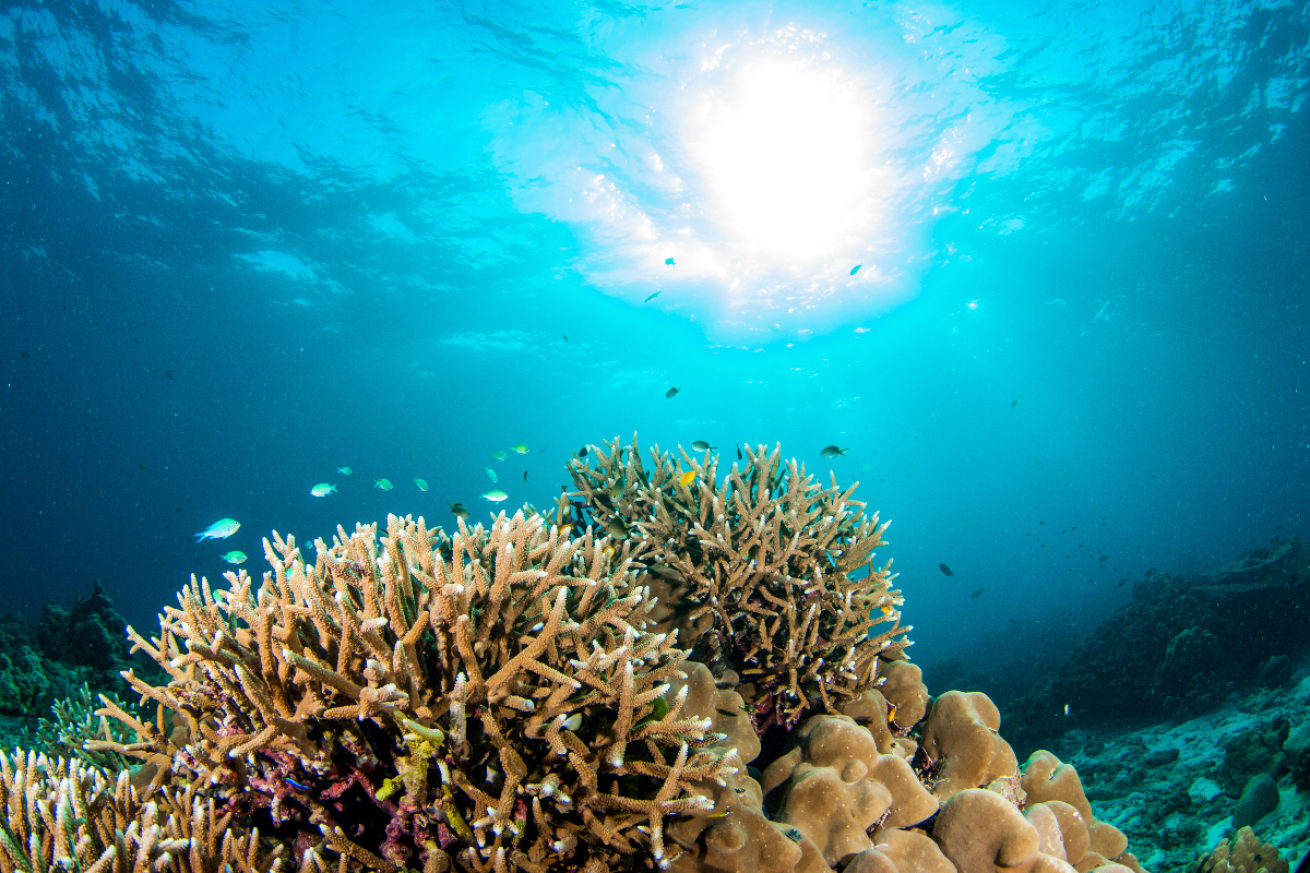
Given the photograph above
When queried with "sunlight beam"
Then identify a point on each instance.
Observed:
(785, 158)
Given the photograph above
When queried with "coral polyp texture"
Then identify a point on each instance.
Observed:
(516, 697)
(494, 698)
(765, 566)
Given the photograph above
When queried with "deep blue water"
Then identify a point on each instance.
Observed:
(246, 244)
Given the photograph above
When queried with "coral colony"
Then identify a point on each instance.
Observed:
(687, 673)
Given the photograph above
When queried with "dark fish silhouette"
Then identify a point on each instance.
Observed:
(582, 452)
(458, 510)
(25, 355)
(975, 595)
(1014, 403)
(671, 393)
(168, 374)
(739, 451)
(832, 451)
(945, 569)
(525, 475)
(653, 296)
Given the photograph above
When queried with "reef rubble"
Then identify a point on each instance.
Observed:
(674, 668)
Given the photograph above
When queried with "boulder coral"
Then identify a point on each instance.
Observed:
(515, 697)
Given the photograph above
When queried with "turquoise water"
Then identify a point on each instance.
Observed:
(248, 244)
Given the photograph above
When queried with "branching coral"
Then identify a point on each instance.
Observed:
(504, 676)
(64, 816)
(74, 723)
(765, 563)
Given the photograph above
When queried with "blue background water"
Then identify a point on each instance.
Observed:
(245, 244)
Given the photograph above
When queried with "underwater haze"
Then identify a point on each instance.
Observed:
(1039, 270)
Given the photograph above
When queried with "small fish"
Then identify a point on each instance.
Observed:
(234, 557)
(687, 478)
(669, 261)
(671, 393)
(833, 451)
(887, 610)
(322, 489)
(498, 455)
(891, 712)
(616, 528)
(724, 814)
(384, 484)
(616, 490)
(344, 471)
(702, 446)
(566, 337)
(495, 496)
(1103, 558)
(411, 457)
(945, 570)
(168, 374)
(422, 484)
(294, 784)
(491, 474)
(525, 475)
(739, 451)
(520, 449)
(653, 296)
(975, 595)
(1014, 403)
(1066, 709)
(582, 452)
(219, 530)
(856, 269)
(458, 510)
(794, 835)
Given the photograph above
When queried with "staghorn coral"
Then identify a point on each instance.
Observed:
(762, 564)
(489, 699)
(74, 722)
(64, 816)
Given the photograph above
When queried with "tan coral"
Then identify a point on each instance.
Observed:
(732, 834)
(902, 685)
(1046, 778)
(907, 851)
(982, 832)
(1244, 853)
(768, 555)
(61, 815)
(522, 653)
(961, 740)
(835, 786)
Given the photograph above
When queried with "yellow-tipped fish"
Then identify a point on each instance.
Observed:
(687, 478)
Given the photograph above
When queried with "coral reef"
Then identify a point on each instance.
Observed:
(517, 697)
(493, 697)
(1244, 853)
(770, 572)
(70, 648)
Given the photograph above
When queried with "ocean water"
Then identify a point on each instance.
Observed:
(246, 244)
